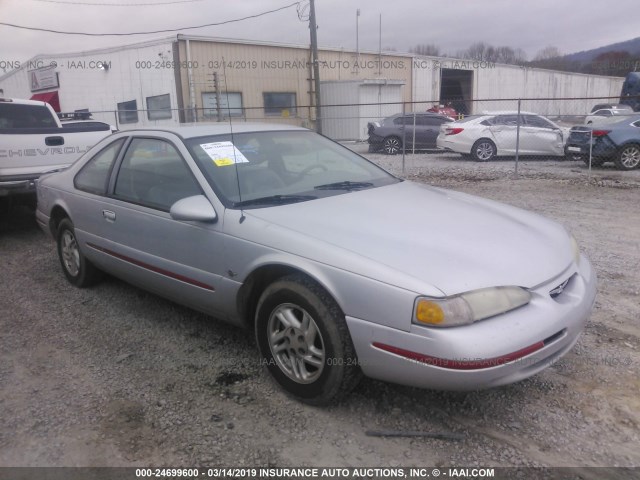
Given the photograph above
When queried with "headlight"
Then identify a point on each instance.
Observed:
(468, 307)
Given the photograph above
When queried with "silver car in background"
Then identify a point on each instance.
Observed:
(337, 267)
(494, 134)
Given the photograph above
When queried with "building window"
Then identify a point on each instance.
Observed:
(128, 112)
(159, 107)
(282, 104)
(230, 104)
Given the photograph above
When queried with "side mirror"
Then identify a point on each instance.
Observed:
(194, 209)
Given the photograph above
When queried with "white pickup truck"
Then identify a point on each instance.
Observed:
(33, 141)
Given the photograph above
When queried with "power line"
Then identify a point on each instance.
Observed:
(117, 4)
(87, 34)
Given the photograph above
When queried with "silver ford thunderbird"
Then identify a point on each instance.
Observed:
(339, 268)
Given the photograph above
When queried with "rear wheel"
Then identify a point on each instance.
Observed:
(304, 341)
(483, 150)
(628, 157)
(78, 270)
(392, 145)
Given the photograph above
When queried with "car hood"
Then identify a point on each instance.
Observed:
(448, 240)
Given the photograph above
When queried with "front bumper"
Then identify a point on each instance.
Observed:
(17, 185)
(554, 324)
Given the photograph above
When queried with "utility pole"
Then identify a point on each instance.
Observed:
(216, 87)
(314, 59)
(380, 48)
(357, 38)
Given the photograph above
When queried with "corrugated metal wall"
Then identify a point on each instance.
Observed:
(495, 81)
(364, 101)
(253, 69)
(340, 122)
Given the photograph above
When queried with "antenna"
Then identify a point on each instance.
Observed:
(233, 143)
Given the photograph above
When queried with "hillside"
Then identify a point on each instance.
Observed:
(617, 59)
(585, 56)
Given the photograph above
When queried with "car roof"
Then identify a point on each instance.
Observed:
(621, 111)
(81, 121)
(222, 128)
(611, 106)
(508, 112)
(419, 114)
(20, 101)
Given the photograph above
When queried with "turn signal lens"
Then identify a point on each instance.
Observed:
(429, 312)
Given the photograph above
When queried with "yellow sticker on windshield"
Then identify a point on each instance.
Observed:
(221, 162)
(224, 153)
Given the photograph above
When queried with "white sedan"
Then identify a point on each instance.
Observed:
(607, 115)
(494, 134)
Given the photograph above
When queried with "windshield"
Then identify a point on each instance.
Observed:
(260, 169)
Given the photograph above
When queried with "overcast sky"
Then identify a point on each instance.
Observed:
(571, 25)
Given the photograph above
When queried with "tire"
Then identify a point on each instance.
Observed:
(78, 270)
(297, 319)
(483, 150)
(628, 157)
(392, 145)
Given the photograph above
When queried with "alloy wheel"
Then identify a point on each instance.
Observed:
(296, 343)
(70, 253)
(630, 157)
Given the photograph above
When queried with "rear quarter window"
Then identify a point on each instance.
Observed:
(94, 175)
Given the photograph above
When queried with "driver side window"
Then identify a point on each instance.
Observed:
(153, 174)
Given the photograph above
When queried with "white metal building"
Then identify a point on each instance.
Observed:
(191, 78)
(470, 82)
(102, 80)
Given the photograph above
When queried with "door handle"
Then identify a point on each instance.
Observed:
(54, 141)
(109, 215)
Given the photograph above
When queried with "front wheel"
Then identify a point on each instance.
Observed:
(78, 270)
(304, 341)
(628, 157)
(483, 150)
(392, 145)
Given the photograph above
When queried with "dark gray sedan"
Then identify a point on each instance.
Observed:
(417, 131)
(617, 142)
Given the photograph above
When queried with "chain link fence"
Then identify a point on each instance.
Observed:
(484, 129)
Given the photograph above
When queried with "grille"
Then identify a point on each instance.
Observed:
(557, 291)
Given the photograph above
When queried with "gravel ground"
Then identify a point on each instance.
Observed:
(115, 376)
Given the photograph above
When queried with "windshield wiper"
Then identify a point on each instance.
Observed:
(346, 185)
(274, 200)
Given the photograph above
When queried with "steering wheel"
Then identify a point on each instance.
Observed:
(312, 167)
